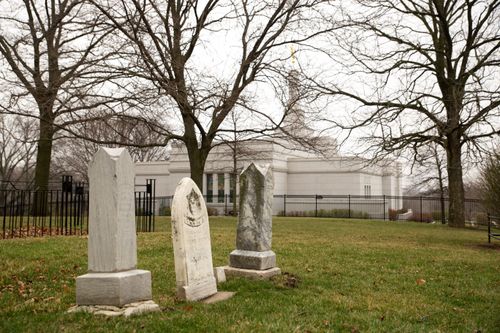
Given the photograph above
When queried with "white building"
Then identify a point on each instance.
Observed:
(295, 172)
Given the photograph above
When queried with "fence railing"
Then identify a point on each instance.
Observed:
(493, 223)
(28, 213)
(65, 212)
(383, 207)
(39, 213)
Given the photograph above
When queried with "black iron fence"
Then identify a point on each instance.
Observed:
(493, 227)
(29, 213)
(383, 207)
(26, 213)
(145, 206)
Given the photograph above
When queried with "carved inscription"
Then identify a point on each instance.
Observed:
(194, 211)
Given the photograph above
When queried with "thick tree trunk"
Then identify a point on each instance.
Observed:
(43, 156)
(455, 182)
(42, 168)
(197, 159)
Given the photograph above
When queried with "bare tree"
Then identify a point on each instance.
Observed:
(240, 146)
(53, 67)
(429, 173)
(17, 149)
(430, 71)
(168, 44)
(490, 184)
(73, 154)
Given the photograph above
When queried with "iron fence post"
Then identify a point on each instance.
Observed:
(284, 204)
(349, 205)
(316, 205)
(443, 212)
(384, 205)
(421, 212)
(489, 228)
(225, 204)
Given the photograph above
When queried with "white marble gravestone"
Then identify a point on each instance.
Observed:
(191, 239)
(253, 256)
(112, 277)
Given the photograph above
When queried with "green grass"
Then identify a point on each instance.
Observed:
(354, 276)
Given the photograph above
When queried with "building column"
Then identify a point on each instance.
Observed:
(215, 182)
(227, 183)
(237, 180)
(204, 184)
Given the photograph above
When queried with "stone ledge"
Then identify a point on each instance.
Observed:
(220, 275)
(116, 289)
(253, 260)
(219, 297)
(127, 310)
(251, 273)
(198, 291)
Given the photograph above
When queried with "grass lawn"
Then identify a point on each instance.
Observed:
(354, 276)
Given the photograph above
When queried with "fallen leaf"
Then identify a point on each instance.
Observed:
(188, 308)
(20, 287)
(420, 282)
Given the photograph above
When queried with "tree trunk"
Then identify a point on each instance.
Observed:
(42, 168)
(235, 179)
(43, 156)
(197, 159)
(441, 186)
(455, 182)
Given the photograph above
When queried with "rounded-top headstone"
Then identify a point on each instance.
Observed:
(191, 238)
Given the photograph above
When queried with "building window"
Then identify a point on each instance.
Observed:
(220, 187)
(210, 187)
(368, 191)
(232, 187)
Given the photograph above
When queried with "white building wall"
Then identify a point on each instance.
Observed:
(323, 183)
(156, 170)
(280, 182)
(295, 173)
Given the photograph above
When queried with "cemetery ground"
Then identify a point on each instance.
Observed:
(339, 275)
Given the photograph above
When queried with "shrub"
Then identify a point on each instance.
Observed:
(436, 215)
(211, 211)
(424, 217)
(393, 213)
(337, 213)
(164, 211)
(482, 218)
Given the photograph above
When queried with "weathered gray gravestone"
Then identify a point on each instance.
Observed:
(253, 256)
(191, 239)
(112, 277)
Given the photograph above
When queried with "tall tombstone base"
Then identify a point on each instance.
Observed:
(115, 289)
(251, 273)
(196, 292)
(252, 259)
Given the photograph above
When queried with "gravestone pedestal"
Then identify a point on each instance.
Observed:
(253, 256)
(252, 259)
(112, 278)
(116, 289)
